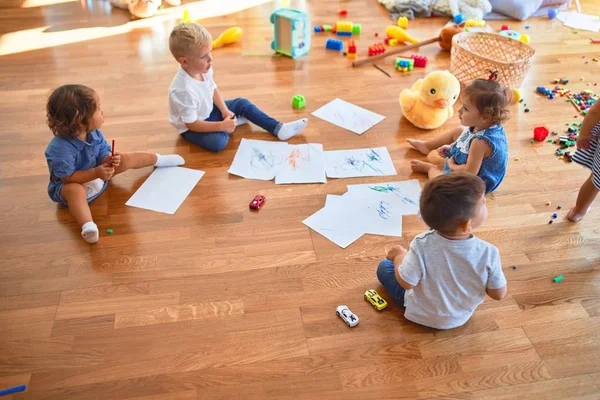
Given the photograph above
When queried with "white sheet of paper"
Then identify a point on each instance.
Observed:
(258, 159)
(577, 20)
(359, 162)
(360, 214)
(340, 238)
(303, 163)
(166, 189)
(348, 116)
(404, 195)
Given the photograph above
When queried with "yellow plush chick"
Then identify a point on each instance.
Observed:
(428, 104)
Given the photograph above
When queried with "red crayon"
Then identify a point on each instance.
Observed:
(113, 148)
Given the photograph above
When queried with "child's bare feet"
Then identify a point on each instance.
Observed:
(421, 166)
(419, 145)
(575, 216)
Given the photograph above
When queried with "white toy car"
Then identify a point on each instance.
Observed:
(348, 316)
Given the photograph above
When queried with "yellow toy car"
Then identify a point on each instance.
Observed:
(375, 299)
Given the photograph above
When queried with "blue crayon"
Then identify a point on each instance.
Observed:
(15, 389)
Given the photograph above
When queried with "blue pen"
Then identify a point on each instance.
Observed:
(15, 389)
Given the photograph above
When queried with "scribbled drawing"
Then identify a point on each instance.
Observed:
(383, 209)
(295, 159)
(395, 191)
(262, 161)
(372, 155)
(361, 121)
(348, 116)
(351, 162)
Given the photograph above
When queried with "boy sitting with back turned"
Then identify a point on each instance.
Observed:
(447, 271)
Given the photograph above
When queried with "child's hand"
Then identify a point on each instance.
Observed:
(444, 150)
(395, 252)
(228, 115)
(229, 124)
(583, 142)
(104, 171)
(116, 160)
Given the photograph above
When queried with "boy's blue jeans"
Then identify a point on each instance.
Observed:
(216, 141)
(387, 277)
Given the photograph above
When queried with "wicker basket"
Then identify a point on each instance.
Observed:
(476, 55)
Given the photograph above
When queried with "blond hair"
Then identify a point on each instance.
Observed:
(186, 37)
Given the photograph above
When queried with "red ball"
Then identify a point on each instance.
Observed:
(505, 28)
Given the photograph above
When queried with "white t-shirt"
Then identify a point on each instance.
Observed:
(190, 100)
(450, 278)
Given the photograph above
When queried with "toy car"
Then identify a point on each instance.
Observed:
(258, 202)
(347, 316)
(375, 299)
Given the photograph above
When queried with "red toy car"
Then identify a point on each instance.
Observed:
(258, 202)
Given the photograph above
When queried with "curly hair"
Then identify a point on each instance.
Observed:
(449, 200)
(70, 109)
(491, 99)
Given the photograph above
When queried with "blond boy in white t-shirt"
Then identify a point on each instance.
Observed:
(196, 107)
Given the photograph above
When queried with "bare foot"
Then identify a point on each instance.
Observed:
(574, 216)
(421, 166)
(419, 145)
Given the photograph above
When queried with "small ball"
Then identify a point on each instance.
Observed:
(505, 28)
(552, 13)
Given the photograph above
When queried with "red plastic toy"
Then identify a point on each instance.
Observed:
(343, 12)
(258, 202)
(540, 133)
(420, 61)
(377, 48)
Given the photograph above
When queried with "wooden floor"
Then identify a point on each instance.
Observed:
(216, 302)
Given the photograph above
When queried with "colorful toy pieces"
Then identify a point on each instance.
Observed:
(298, 101)
(351, 49)
(404, 64)
(515, 35)
(342, 28)
(395, 32)
(377, 48)
(334, 44)
(231, 35)
(540, 133)
(292, 35)
(428, 104)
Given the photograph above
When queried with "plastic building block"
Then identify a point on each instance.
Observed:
(327, 28)
(403, 22)
(351, 47)
(291, 32)
(459, 19)
(404, 64)
(555, 215)
(343, 33)
(317, 29)
(540, 133)
(420, 61)
(343, 12)
(356, 29)
(475, 22)
(393, 42)
(343, 26)
(558, 279)
(334, 44)
(375, 49)
(505, 28)
(109, 231)
(298, 101)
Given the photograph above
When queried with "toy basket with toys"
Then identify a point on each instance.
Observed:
(475, 54)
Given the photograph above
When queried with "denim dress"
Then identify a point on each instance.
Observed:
(66, 155)
(493, 168)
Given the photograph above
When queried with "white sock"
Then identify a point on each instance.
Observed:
(89, 231)
(169, 160)
(291, 129)
(242, 121)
